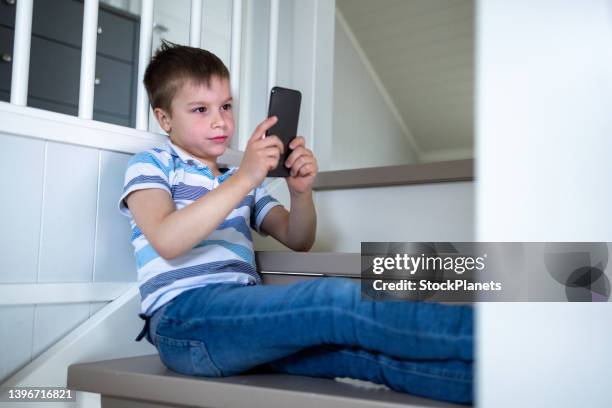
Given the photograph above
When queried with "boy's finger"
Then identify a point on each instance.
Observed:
(272, 152)
(261, 129)
(299, 163)
(305, 170)
(296, 154)
(271, 140)
(297, 141)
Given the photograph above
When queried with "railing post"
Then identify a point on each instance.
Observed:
(144, 56)
(88, 59)
(273, 44)
(195, 28)
(236, 50)
(21, 53)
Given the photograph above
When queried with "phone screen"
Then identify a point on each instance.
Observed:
(284, 104)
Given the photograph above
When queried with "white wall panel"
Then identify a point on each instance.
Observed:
(52, 322)
(429, 212)
(69, 214)
(15, 338)
(114, 260)
(21, 164)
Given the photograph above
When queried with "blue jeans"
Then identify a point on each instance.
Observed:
(319, 328)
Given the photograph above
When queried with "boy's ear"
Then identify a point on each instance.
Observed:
(163, 118)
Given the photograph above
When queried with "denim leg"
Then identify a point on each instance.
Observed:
(224, 329)
(444, 380)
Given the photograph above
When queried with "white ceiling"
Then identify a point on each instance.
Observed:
(423, 53)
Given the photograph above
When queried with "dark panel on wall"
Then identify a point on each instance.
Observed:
(54, 71)
(7, 13)
(116, 36)
(112, 93)
(6, 53)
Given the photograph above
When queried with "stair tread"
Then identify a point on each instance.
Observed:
(146, 378)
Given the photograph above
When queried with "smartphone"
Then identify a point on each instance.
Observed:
(285, 105)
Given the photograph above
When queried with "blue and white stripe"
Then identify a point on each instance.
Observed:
(226, 255)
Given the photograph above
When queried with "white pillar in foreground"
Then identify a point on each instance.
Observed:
(543, 126)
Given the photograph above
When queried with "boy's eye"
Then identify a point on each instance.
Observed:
(227, 106)
(200, 109)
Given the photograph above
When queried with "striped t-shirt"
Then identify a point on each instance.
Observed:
(226, 255)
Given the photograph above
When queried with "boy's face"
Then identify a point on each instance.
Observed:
(201, 121)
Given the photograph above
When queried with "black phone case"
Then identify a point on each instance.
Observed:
(284, 104)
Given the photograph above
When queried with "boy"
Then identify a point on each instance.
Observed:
(205, 309)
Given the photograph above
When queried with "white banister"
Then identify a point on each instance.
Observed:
(88, 59)
(144, 56)
(273, 43)
(21, 53)
(12, 294)
(195, 28)
(236, 49)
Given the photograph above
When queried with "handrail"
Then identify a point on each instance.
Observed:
(421, 173)
(35, 293)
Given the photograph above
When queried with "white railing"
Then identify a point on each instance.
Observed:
(22, 45)
(21, 53)
(144, 55)
(88, 59)
(195, 28)
(236, 51)
(12, 294)
(273, 43)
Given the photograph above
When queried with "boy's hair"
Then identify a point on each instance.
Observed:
(174, 64)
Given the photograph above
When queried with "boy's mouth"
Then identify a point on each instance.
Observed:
(219, 139)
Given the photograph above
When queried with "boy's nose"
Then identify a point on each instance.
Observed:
(217, 121)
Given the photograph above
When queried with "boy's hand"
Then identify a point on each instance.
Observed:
(303, 167)
(261, 154)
